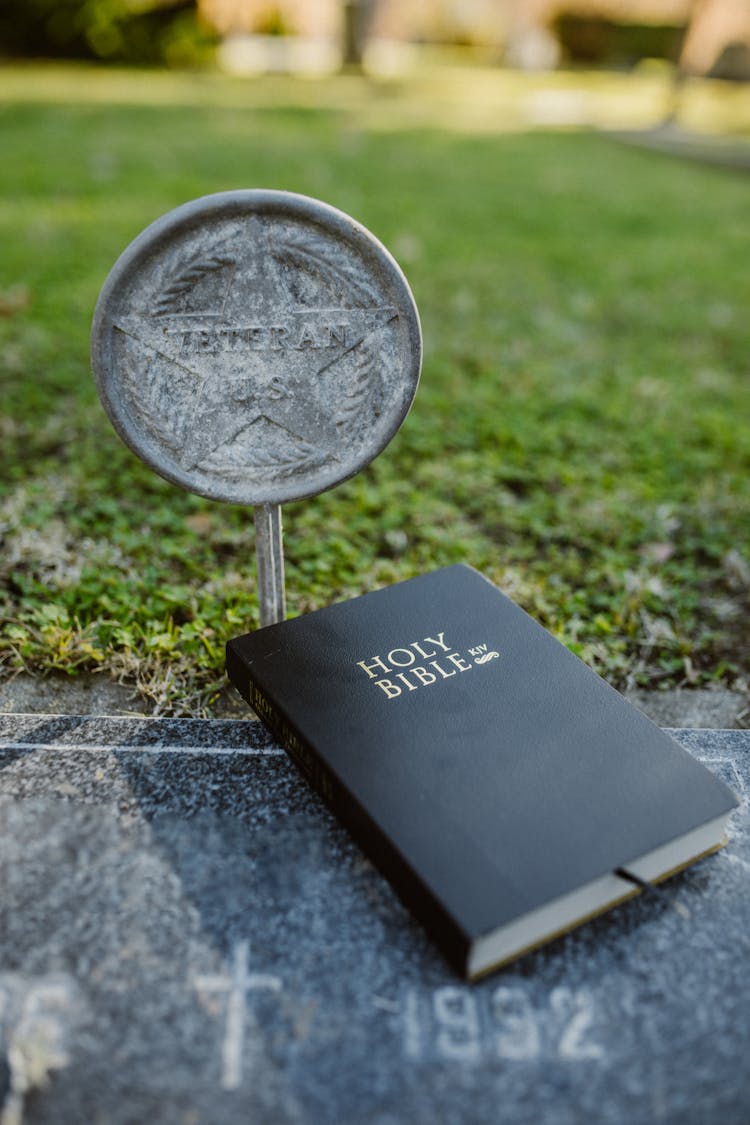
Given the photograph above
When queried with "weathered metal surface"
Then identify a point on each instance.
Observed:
(188, 936)
(256, 346)
(270, 554)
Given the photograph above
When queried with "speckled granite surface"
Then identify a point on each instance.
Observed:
(187, 936)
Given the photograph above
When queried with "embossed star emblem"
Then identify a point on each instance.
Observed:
(246, 357)
(256, 346)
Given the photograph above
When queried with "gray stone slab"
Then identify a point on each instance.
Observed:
(68, 695)
(97, 695)
(188, 936)
(694, 707)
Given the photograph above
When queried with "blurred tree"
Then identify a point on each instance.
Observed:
(134, 31)
(357, 17)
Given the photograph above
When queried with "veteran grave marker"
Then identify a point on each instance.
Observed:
(256, 347)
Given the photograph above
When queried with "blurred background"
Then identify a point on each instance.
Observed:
(565, 184)
(701, 37)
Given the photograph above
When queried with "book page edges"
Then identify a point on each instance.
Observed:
(497, 947)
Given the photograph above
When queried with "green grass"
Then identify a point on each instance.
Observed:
(580, 434)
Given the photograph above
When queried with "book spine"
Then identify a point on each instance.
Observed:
(368, 834)
(306, 761)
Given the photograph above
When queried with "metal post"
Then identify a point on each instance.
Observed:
(269, 553)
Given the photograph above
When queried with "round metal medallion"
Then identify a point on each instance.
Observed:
(256, 346)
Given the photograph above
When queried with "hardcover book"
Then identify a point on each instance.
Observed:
(496, 780)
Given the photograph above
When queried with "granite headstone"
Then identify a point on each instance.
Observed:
(188, 936)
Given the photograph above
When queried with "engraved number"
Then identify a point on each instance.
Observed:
(518, 1034)
(448, 1024)
(577, 1010)
(458, 1024)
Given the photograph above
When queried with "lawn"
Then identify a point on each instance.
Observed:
(581, 433)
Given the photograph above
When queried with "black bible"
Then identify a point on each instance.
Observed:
(506, 791)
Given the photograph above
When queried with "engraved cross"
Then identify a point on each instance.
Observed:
(236, 985)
